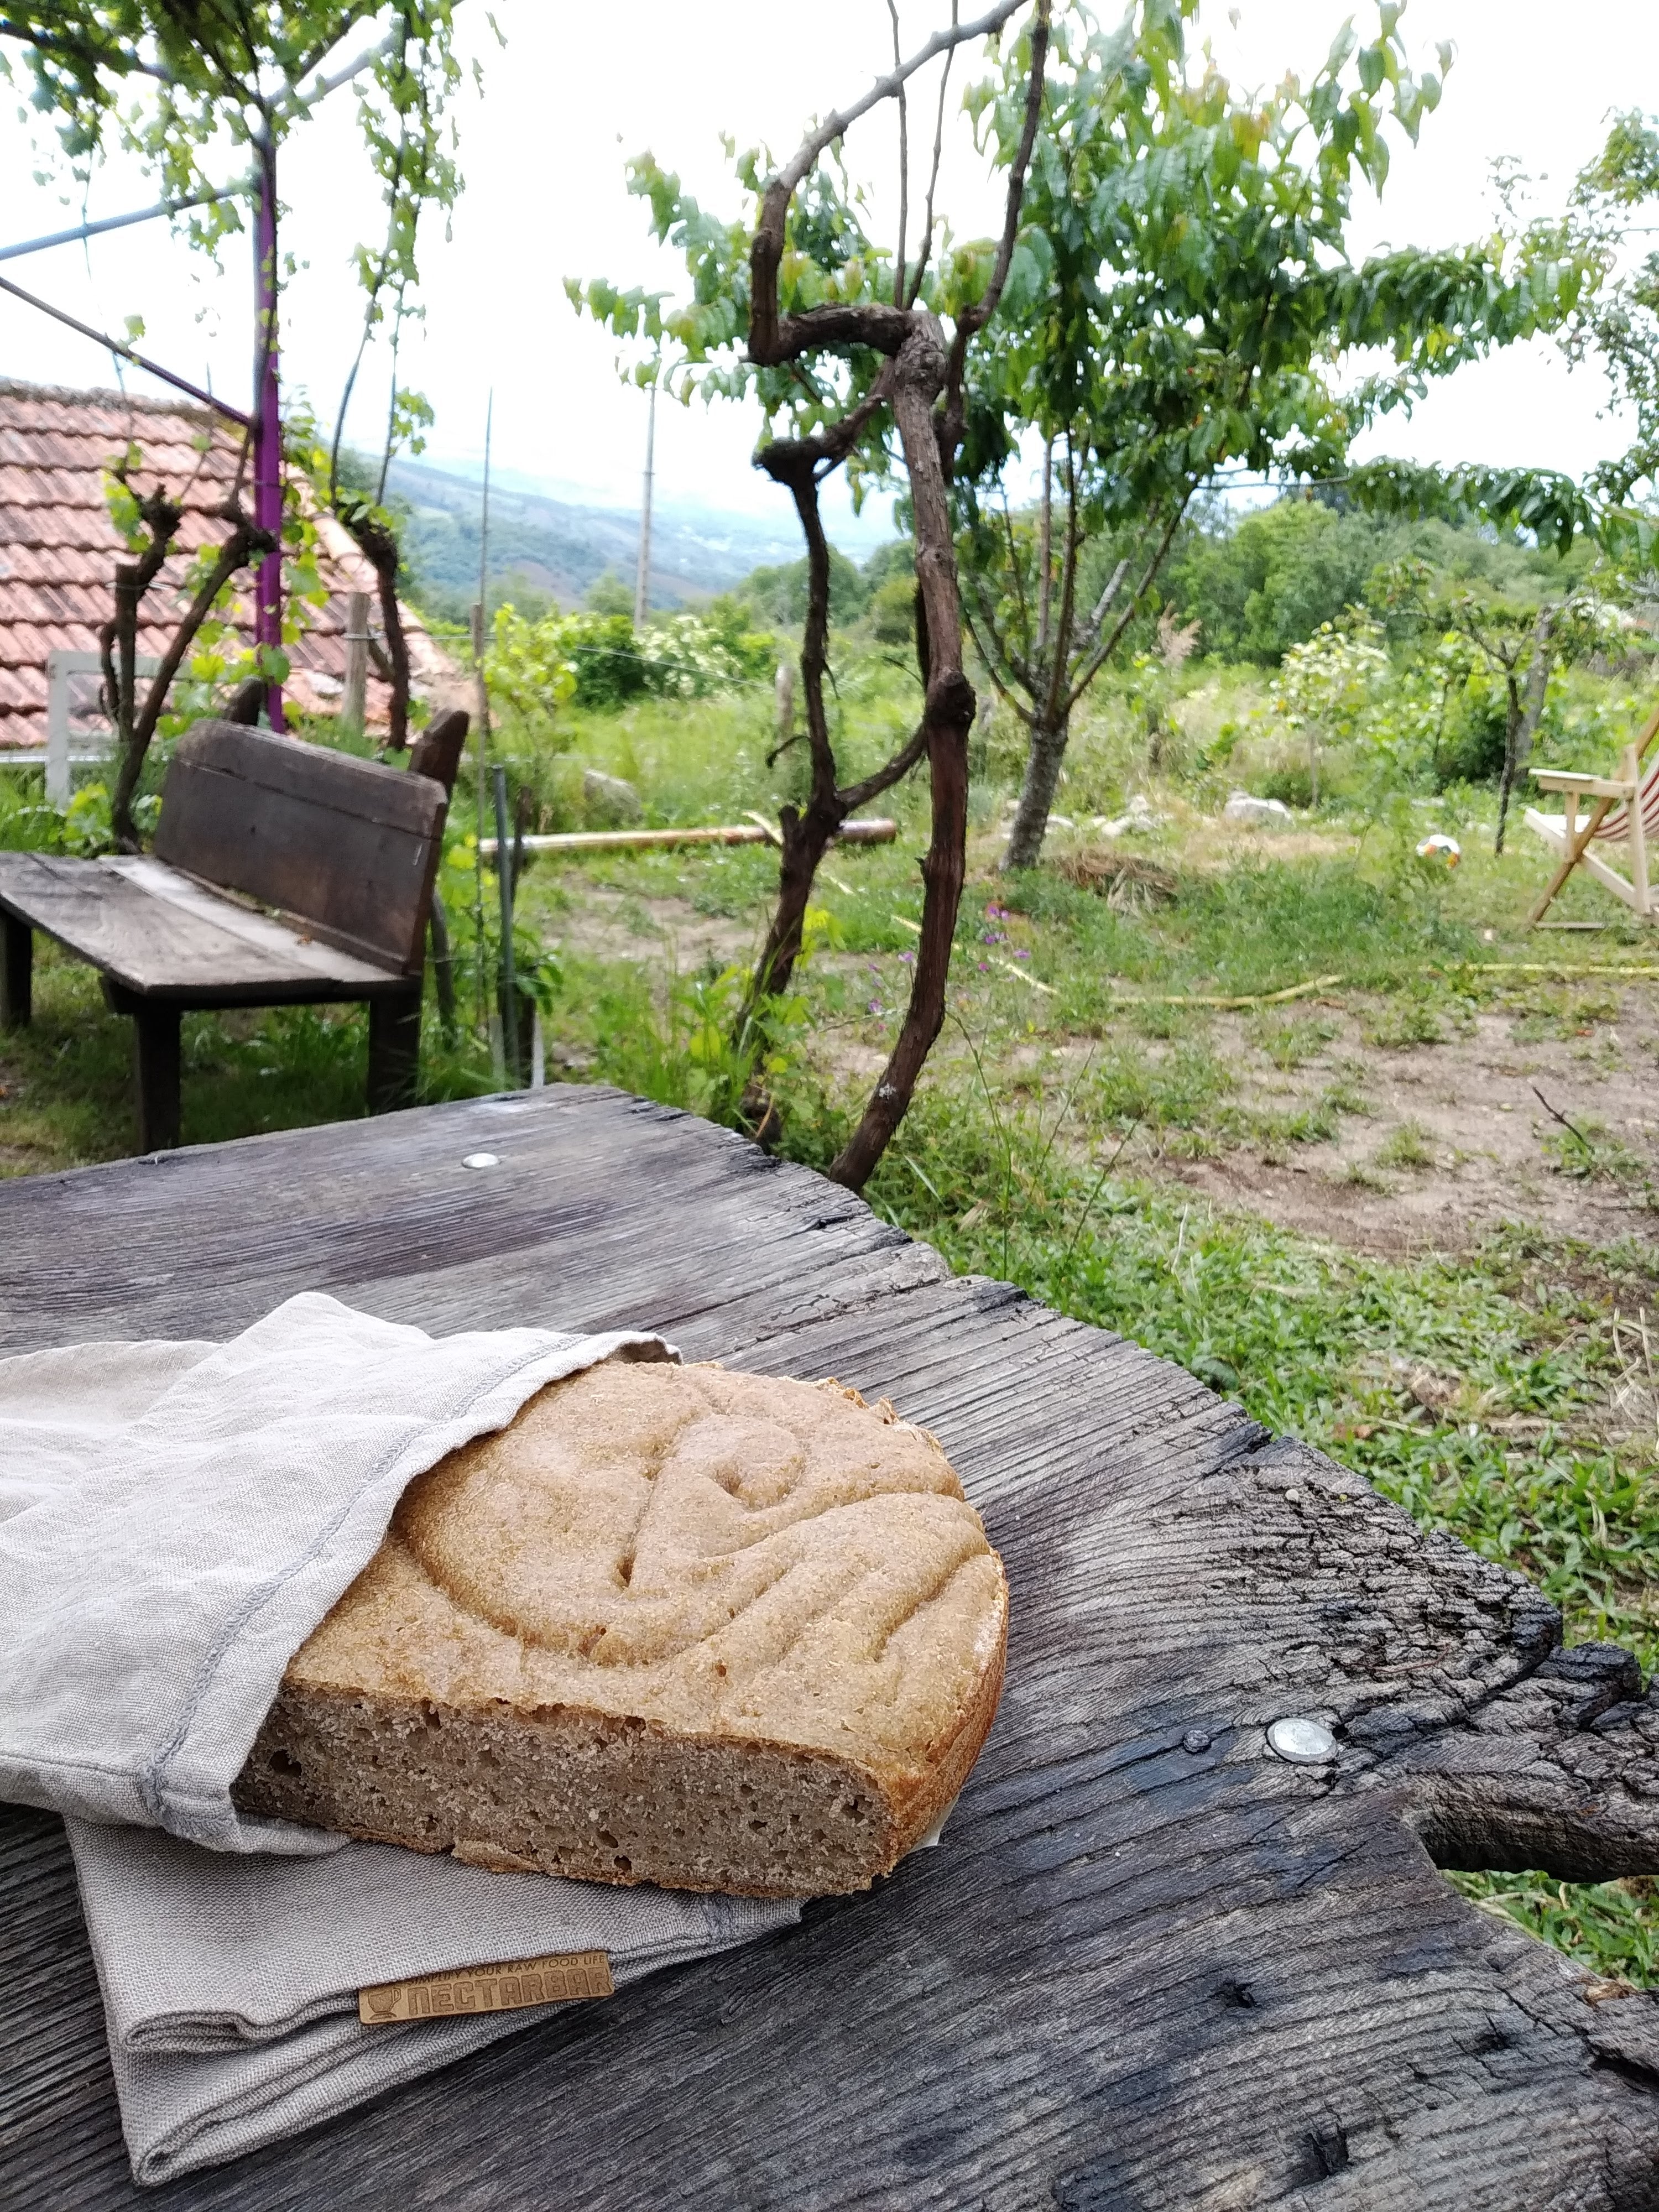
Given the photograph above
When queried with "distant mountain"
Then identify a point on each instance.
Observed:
(564, 547)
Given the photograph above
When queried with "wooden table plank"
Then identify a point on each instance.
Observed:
(1151, 1966)
(155, 932)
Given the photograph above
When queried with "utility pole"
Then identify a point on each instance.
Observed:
(492, 1021)
(479, 627)
(642, 580)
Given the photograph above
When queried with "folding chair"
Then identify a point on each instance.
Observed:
(1626, 805)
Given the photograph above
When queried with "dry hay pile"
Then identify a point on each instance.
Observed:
(1126, 881)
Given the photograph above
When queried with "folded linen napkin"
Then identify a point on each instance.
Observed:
(230, 1982)
(176, 1519)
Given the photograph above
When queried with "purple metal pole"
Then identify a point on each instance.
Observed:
(268, 425)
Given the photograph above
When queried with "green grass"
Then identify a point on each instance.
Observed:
(1611, 1927)
(66, 1080)
(707, 760)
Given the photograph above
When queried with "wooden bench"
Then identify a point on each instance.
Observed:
(1152, 1967)
(283, 874)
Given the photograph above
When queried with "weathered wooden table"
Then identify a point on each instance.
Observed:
(1152, 1966)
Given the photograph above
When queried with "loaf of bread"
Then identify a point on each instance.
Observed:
(674, 1624)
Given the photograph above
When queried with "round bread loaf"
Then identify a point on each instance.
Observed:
(674, 1624)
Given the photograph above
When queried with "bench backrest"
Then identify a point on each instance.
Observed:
(349, 845)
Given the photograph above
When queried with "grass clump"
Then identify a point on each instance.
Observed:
(1409, 1145)
(1611, 1927)
(1291, 1043)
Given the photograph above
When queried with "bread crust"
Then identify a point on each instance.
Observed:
(711, 1631)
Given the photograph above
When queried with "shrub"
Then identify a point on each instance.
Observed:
(601, 660)
(893, 609)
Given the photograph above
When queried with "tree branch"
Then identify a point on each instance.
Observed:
(904, 165)
(244, 541)
(781, 457)
(918, 381)
(65, 49)
(999, 677)
(926, 254)
(852, 796)
(1057, 666)
(793, 463)
(772, 337)
(1016, 568)
(382, 267)
(295, 102)
(1103, 605)
(1105, 651)
(973, 319)
(1016, 666)
(379, 546)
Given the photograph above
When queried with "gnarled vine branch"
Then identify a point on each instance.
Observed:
(921, 384)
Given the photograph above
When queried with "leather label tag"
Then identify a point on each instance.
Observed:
(557, 1980)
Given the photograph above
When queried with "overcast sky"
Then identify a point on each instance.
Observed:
(577, 89)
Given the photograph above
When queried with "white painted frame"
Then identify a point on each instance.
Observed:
(62, 663)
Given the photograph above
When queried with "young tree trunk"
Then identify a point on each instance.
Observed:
(1043, 760)
(948, 715)
(1524, 716)
(134, 724)
(804, 835)
(806, 839)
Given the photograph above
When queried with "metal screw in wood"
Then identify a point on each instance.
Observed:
(1303, 1742)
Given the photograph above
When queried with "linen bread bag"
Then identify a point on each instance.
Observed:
(673, 1624)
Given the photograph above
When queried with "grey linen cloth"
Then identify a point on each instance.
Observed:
(176, 1519)
(230, 1982)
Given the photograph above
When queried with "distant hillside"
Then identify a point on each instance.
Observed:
(564, 549)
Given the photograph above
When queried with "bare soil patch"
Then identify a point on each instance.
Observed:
(603, 924)
(1456, 1139)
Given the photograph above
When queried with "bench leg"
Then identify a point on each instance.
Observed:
(155, 1071)
(16, 973)
(394, 1050)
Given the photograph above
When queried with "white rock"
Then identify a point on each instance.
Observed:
(1141, 816)
(1266, 813)
(608, 801)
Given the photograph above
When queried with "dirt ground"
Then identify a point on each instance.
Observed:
(1481, 1145)
(602, 924)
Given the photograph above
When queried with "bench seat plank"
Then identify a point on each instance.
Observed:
(1152, 1969)
(157, 933)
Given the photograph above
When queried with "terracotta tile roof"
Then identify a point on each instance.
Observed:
(58, 548)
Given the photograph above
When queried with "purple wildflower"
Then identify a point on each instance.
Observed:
(1020, 953)
(909, 958)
